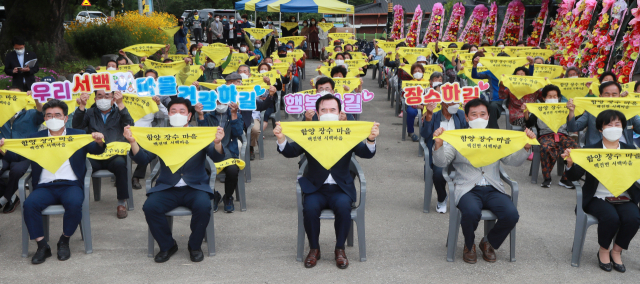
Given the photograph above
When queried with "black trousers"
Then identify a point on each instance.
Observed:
(16, 171)
(487, 197)
(197, 33)
(141, 171)
(495, 109)
(231, 179)
(329, 196)
(118, 166)
(622, 218)
(161, 202)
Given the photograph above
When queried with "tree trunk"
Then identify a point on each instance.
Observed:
(37, 21)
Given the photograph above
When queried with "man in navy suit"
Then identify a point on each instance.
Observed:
(188, 187)
(450, 117)
(327, 189)
(14, 65)
(65, 186)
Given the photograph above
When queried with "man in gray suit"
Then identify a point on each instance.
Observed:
(480, 188)
(215, 31)
(608, 89)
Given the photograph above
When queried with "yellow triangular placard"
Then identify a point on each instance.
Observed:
(258, 33)
(11, 103)
(521, 86)
(553, 115)
(297, 40)
(165, 69)
(49, 152)
(572, 87)
(216, 53)
(228, 162)
(628, 106)
(113, 149)
(483, 147)
(170, 31)
(616, 169)
(503, 65)
(138, 107)
(327, 141)
(174, 145)
(146, 49)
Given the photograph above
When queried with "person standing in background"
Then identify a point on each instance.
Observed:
(197, 27)
(15, 65)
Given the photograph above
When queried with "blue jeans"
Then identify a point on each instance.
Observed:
(182, 46)
(411, 118)
(295, 84)
(268, 112)
(66, 193)
(487, 197)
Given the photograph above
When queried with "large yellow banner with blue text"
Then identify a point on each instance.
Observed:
(49, 152)
(327, 141)
(617, 170)
(483, 147)
(174, 145)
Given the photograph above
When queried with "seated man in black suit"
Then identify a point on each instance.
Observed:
(108, 116)
(65, 186)
(327, 189)
(188, 187)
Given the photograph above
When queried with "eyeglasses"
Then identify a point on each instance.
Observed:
(52, 115)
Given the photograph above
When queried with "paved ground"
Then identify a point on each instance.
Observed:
(403, 244)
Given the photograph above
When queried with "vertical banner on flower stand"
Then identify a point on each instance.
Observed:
(579, 32)
(538, 26)
(471, 33)
(414, 28)
(488, 31)
(398, 22)
(567, 33)
(434, 30)
(563, 18)
(513, 24)
(593, 55)
(630, 48)
(455, 23)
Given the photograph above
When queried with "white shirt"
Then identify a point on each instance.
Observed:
(146, 120)
(65, 171)
(329, 179)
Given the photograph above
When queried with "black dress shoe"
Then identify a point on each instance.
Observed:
(41, 255)
(617, 267)
(163, 256)
(11, 206)
(604, 266)
(64, 252)
(196, 255)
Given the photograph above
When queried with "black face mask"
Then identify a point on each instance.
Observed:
(282, 55)
(180, 23)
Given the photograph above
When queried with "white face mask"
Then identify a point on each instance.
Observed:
(478, 123)
(244, 76)
(501, 46)
(473, 51)
(551, 101)
(313, 22)
(270, 64)
(217, 19)
(55, 124)
(20, 51)
(111, 68)
(288, 51)
(178, 120)
(339, 62)
(453, 108)
(417, 75)
(243, 49)
(232, 20)
(480, 64)
(222, 108)
(612, 134)
(104, 104)
(257, 45)
(263, 71)
(193, 53)
(211, 65)
(329, 117)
